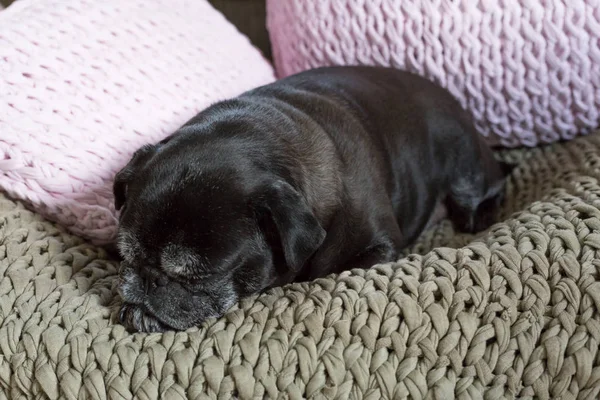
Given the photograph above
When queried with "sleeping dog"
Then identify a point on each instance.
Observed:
(324, 171)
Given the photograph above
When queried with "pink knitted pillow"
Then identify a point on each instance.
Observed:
(84, 83)
(529, 71)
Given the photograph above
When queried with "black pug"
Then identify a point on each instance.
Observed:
(324, 171)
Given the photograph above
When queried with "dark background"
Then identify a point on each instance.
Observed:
(247, 15)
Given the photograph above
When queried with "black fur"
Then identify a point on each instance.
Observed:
(327, 170)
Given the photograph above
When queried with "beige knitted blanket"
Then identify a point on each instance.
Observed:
(515, 313)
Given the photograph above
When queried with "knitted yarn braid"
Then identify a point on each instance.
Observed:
(529, 71)
(511, 313)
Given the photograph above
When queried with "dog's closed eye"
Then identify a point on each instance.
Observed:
(181, 262)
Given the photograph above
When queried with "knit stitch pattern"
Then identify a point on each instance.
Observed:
(529, 71)
(513, 313)
(83, 84)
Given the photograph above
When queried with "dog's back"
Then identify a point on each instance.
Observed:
(396, 136)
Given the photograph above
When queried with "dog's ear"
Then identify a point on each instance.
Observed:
(125, 175)
(298, 229)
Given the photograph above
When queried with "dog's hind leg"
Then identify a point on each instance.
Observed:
(475, 196)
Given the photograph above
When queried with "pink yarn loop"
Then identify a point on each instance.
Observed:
(529, 71)
(84, 83)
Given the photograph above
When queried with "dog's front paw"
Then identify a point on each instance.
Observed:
(134, 319)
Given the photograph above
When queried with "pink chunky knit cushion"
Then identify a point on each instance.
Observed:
(84, 83)
(529, 71)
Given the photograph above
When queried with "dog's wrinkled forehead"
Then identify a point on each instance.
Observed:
(183, 228)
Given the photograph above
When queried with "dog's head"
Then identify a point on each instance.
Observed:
(200, 228)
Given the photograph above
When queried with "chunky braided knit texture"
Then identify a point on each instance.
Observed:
(512, 313)
(85, 83)
(529, 71)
